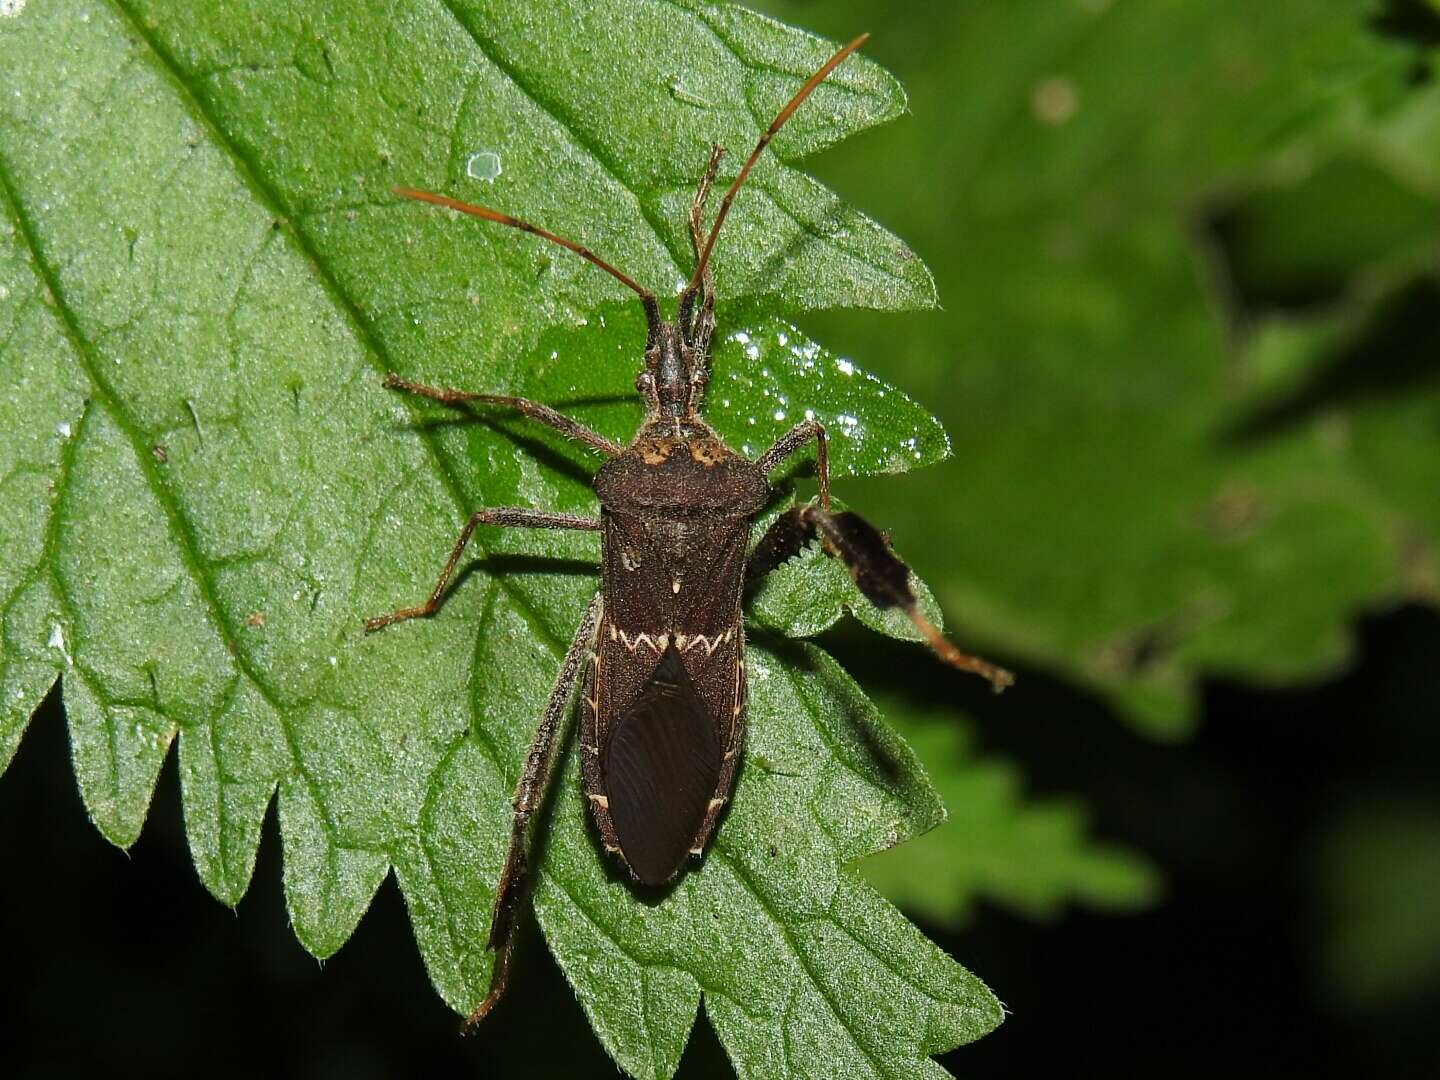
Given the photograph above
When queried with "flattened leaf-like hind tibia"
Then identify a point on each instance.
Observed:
(661, 766)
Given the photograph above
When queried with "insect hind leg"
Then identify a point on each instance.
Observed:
(878, 573)
(530, 792)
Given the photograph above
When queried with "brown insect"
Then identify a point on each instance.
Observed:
(662, 644)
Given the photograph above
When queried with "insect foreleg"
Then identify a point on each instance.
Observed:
(509, 516)
(529, 794)
(571, 429)
(878, 572)
(793, 440)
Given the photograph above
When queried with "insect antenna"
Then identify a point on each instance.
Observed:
(652, 310)
(769, 133)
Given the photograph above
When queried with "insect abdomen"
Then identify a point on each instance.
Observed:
(660, 765)
(664, 695)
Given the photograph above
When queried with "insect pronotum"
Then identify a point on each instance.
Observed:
(661, 644)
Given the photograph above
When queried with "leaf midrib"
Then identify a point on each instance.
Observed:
(179, 528)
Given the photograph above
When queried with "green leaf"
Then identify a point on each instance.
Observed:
(995, 845)
(1101, 517)
(205, 489)
(766, 376)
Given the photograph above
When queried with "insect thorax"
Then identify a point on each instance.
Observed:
(681, 469)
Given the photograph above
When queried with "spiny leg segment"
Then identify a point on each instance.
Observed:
(878, 572)
(529, 795)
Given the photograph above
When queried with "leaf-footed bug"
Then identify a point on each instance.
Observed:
(661, 644)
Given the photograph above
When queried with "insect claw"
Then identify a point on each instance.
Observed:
(481, 1011)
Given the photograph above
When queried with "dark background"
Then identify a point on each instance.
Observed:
(1218, 977)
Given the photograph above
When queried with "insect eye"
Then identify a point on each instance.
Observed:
(643, 382)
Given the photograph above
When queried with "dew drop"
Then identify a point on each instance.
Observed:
(1054, 100)
(57, 641)
(63, 430)
(483, 165)
(779, 414)
(845, 367)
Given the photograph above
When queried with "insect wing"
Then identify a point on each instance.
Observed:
(661, 766)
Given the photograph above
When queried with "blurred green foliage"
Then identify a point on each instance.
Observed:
(1377, 874)
(1168, 238)
(1190, 360)
(1031, 857)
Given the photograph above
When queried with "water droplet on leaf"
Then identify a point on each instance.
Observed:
(483, 165)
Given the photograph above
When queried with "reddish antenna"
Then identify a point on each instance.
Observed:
(524, 226)
(769, 133)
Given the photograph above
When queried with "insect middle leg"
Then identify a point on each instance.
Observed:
(529, 794)
(505, 516)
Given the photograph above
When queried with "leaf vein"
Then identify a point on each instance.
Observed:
(584, 141)
(422, 833)
(181, 532)
(742, 875)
